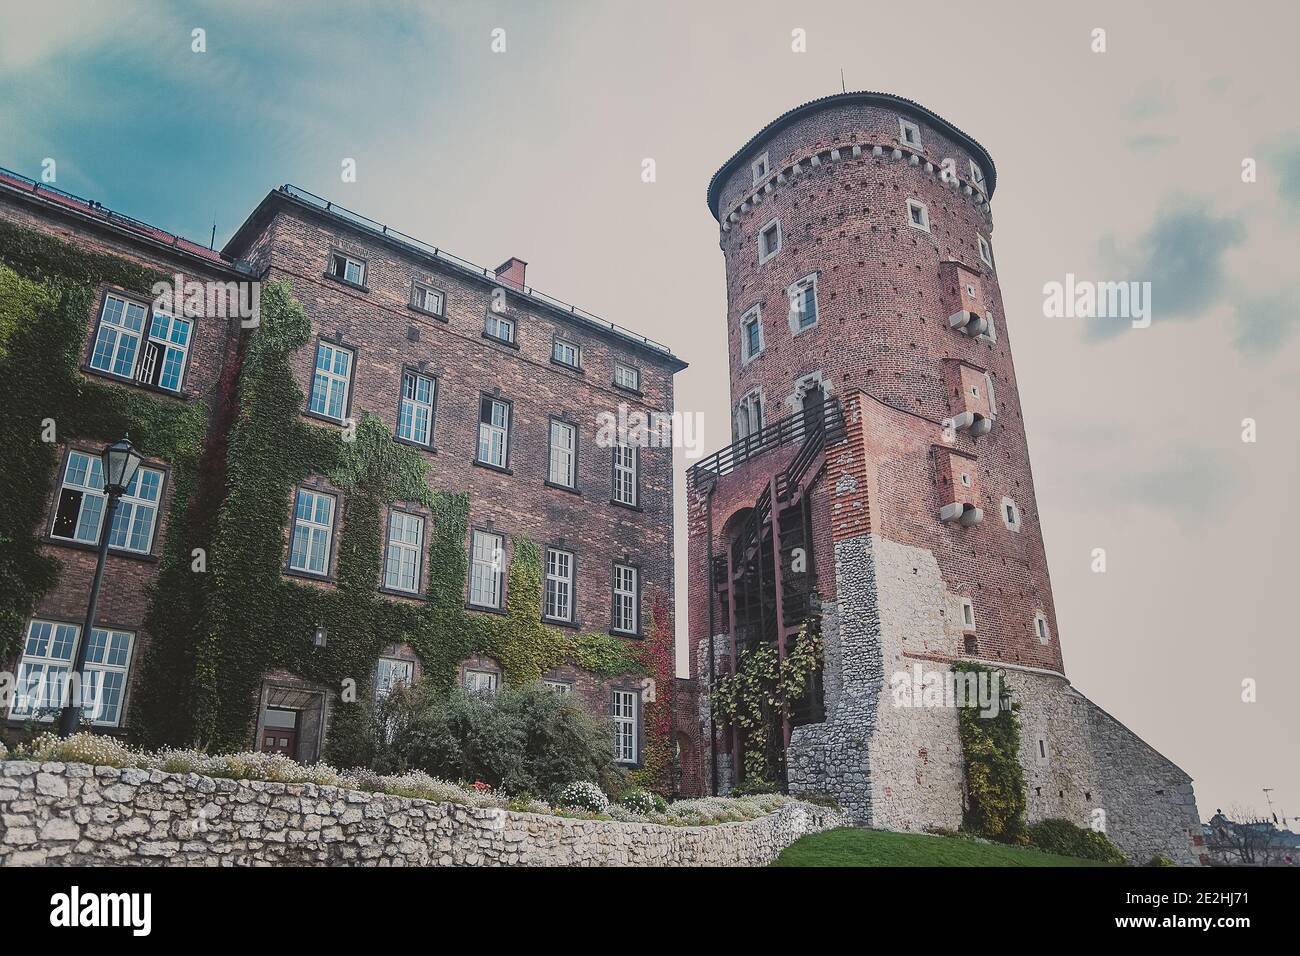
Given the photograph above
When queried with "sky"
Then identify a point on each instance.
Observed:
(1119, 165)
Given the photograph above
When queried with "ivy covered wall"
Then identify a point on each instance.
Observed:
(218, 623)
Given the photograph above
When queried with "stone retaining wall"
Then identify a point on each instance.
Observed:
(65, 814)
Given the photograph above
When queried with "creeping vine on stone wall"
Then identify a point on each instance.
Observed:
(995, 781)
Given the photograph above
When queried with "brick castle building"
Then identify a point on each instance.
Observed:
(879, 485)
(489, 388)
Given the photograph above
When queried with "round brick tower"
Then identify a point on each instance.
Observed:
(901, 527)
(858, 235)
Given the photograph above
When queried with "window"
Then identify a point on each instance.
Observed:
(625, 376)
(487, 560)
(402, 563)
(566, 353)
(918, 217)
(162, 363)
(965, 478)
(494, 431)
(986, 253)
(749, 415)
(1010, 514)
(482, 682)
(46, 666)
(759, 169)
(967, 614)
(123, 349)
(559, 585)
(625, 484)
(561, 688)
(427, 299)
(415, 417)
(563, 467)
(909, 133)
(313, 529)
(751, 334)
(769, 241)
(624, 710)
(333, 379)
(991, 333)
(348, 269)
(626, 612)
(500, 327)
(117, 340)
(391, 672)
(1040, 628)
(977, 177)
(80, 510)
(803, 304)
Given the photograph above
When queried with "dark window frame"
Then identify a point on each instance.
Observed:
(546, 475)
(505, 468)
(317, 486)
(430, 445)
(337, 342)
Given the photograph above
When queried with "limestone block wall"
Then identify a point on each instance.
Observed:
(901, 767)
(75, 814)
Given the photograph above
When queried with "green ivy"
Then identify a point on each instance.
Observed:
(995, 782)
(222, 613)
(758, 697)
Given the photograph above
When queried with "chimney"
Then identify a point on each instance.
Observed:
(511, 272)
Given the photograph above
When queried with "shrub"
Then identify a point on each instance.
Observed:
(582, 795)
(1063, 837)
(750, 786)
(1161, 860)
(522, 740)
(644, 802)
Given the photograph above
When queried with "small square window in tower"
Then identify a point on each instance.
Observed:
(769, 241)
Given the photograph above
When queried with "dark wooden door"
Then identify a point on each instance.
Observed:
(280, 740)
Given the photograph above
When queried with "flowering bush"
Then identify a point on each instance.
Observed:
(583, 795)
(644, 802)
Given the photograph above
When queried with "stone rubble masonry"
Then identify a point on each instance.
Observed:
(75, 814)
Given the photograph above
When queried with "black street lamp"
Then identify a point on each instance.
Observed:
(121, 460)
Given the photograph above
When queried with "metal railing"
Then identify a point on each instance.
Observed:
(424, 248)
(790, 429)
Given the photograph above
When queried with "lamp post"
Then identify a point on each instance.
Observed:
(120, 462)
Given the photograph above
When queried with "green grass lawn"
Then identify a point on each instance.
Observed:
(853, 847)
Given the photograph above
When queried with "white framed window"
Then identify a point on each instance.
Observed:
(803, 303)
(561, 688)
(405, 543)
(624, 709)
(966, 479)
(162, 362)
(625, 468)
(769, 240)
(751, 334)
(626, 617)
(1010, 514)
(967, 614)
(415, 417)
(348, 269)
(487, 569)
(562, 468)
(45, 668)
(749, 415)
(79, 512)
(559, 585)
(986, 251)
(918, 217)
(313, 532)
(909, 133)
(117, 340)
(759, 170)
(482, 682)
(494, 431)
(1040, 628)
(332, 381)
(500, 327)
(428, 299)
(626, 376)
(977, 177)
(392, 672)
(566, 353)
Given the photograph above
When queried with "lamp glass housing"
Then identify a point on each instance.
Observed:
(121, 461)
